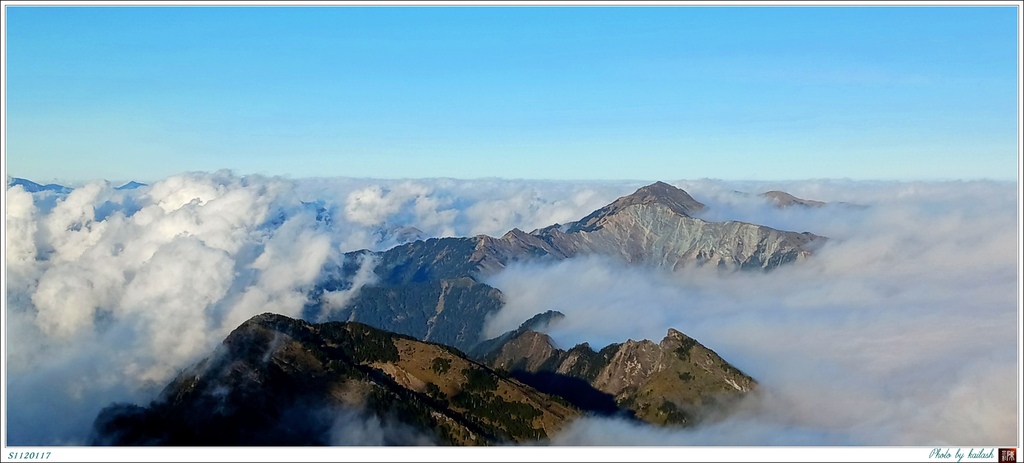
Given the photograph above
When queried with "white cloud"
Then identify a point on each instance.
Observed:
(67, 298)
(370, 205)
(353, 428)
(19, 236)
(532, 205)
(445, 207)
(21, 228)
(337, 300)
(170, 296)
(147, 282)
(70, 225)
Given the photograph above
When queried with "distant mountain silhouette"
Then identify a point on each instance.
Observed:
(782, 200)
(33, 187)
(131, 185)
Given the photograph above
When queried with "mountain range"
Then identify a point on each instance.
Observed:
(281, 381)
(432, 289)
(33, 187)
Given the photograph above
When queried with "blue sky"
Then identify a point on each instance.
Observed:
(743, 93)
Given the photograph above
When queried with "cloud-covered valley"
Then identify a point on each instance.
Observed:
(901, 330)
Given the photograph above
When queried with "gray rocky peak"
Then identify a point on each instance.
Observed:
(675, 199)
(782, 199)
(663, 383)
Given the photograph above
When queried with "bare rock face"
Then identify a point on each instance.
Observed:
(631, 367)
(653, 234)
(530, 351)
(675, 199)
(653, 226)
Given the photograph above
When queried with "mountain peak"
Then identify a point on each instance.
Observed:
(660, 192)
(783, 199)
(665, 383)
(131, 185)
(675, 199)
(273, 376)
(33, 187)
(659, 187)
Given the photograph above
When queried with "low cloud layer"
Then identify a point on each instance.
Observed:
(900, 331)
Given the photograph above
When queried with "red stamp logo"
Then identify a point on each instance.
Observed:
(1008, 455)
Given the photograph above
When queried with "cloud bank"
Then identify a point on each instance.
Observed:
(900, 331)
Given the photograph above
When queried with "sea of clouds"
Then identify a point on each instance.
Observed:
(901, 330)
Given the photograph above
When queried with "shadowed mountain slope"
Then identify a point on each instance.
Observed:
(280, 381)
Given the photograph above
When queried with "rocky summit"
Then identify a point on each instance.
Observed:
(654, 226)
(673, 382)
